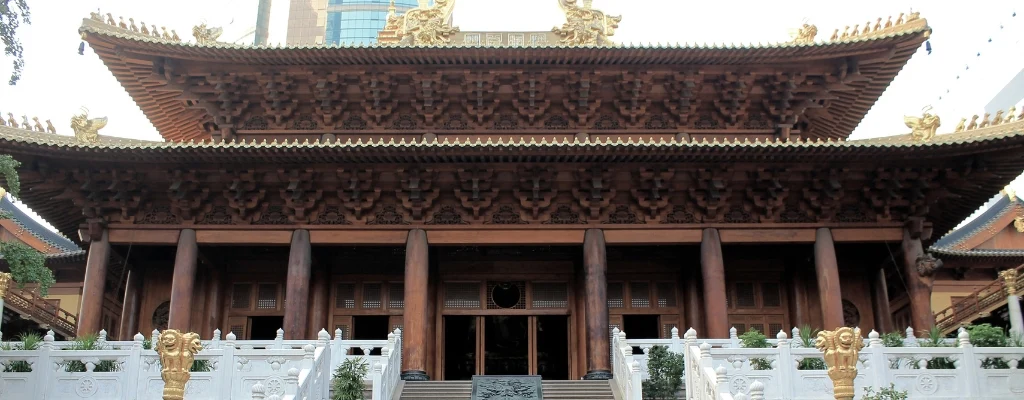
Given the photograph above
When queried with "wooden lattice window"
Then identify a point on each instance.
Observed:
(767, 324)
(241, 293)
(771, 296)
(345, 296)
(462, 295)
(615, 295)
(396, 295)
(550, 295)
(266, 297)
(372, 295)
(639, 294)
(666, 294)
(744, 292)
(506, 295)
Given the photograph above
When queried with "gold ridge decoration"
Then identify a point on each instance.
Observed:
(87, 130)
(805, 35)
(206, 35)
(425, 25)
(177, 352)
(586, 26)
(1018, 224)
(989, 120)
(35, 125)
(904, 22)
(130, 27)
(923, 127)
(5, 277)
(1010, 280)
(842, 349)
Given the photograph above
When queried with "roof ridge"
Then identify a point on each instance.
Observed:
(37, 230)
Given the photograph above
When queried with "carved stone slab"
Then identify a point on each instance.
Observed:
(507, 388)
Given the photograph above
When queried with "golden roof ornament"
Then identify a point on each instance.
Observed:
(87, 130)
(1018, 224)
(425, 25)
(1009, 192)
(805, 35)
(923, 127)
(202, 33)
(5, 277)
(842, 348)
(586, 26)
(905, 22)
(177, 352)
(1009, 281)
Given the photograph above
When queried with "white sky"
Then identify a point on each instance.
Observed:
(57, 81)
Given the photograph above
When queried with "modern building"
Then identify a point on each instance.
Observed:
(508, 202)
(334, 22)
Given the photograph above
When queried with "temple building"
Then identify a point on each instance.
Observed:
(509, 198)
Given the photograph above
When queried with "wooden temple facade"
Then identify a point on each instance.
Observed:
(508, 205)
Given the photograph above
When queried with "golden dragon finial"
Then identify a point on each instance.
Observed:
(923, 127)
(86, 129)
(586, 26)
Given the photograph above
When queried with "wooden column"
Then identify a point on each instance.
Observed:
(694, 306)
(319, 306)
(132, 301)
(798, 290)
(91, 309)
(917, 270)
(712, 267)
(415, 319)
(296, 305)
(827, 269)
(595, 264)
(880, 300)
(214, 301)
(184, 280)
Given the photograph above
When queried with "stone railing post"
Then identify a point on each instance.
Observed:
(339, 349)
(689, 340)
(797, 341)
(133, 368)
(734, 340)
(227, 367)
(101, 340)
(910, 340)
(676, 345)
(756, 391)
(968, 365)
(279, 339)
(787, 366)
(721, 381)
(43, 378)
(878, 363)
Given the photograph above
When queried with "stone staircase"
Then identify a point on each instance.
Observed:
(553, 390)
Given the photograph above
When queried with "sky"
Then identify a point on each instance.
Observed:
(976, 49)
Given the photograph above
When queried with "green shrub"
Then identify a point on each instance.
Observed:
(29, 341)
(88, 342)
(936, 339)
(755, 340)
(201, 366)
(347, 382)
(889, 393)
(666, 374)
(893, 339)
(986, 335)
(807, 336)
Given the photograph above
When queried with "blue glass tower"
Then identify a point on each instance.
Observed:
(358, 21)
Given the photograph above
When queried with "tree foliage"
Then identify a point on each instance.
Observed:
(13, 13)
(27, 264)
(666, 374)
(347, 383)
(886, 393)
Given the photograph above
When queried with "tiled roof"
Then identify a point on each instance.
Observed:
(65, 246)
(988, 220)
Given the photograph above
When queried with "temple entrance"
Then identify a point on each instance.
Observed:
(506, 345)
(264, 328)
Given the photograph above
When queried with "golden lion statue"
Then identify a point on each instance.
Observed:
(842, 349)
(87, 130)
(177, 352)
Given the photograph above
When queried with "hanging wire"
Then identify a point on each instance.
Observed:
(967, 67)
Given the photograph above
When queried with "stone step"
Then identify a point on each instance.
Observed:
(553, 390)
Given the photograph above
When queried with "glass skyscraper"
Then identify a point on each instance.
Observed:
(358, 21)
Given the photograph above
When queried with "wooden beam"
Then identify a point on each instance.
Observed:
(652, 236)
(144, 236)
(890, 234)
(505, 237)
(247, 237)
(359, 237)
(767, 235)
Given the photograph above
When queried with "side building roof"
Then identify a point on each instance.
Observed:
(1008, 208)
(56, 244)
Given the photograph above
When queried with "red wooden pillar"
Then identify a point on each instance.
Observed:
(132, 301)
(416, 322)
(595, 265)
(880, 300)
(214, 301)
(798, 289)
(712, 266)
(319, 305)
(296, 305)
(184, 280)
(91, 310)
(694, 308)
(827, 268)
(919, 282)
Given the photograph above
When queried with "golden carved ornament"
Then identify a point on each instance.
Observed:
(1010, 280)
(842, 349)
(978, 122)
(5, 278)
(904, 22)
(1018, 224)
(86, 129)
(131, 27)
(204, 34)
(805, 35)
(425, 25)
(1009, 192)
(177, 352)
(923, 127)
(586, 26)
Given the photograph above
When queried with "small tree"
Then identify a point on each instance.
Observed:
(347, 383)
(889, 393)
(936, 339)
(666, 374)
(27, 264)
(807, 337)
(986, 335)
(756, 340)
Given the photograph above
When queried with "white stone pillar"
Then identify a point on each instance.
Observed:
(1016, 318)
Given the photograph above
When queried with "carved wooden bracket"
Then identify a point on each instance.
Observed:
(186, 195)
(417, 193)
(302, 194)
(711, 192)
(535, 191)
(595, 191)
(653, 192)
(244, 194)
(357, 190)
(531, 101)
(475, 190)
